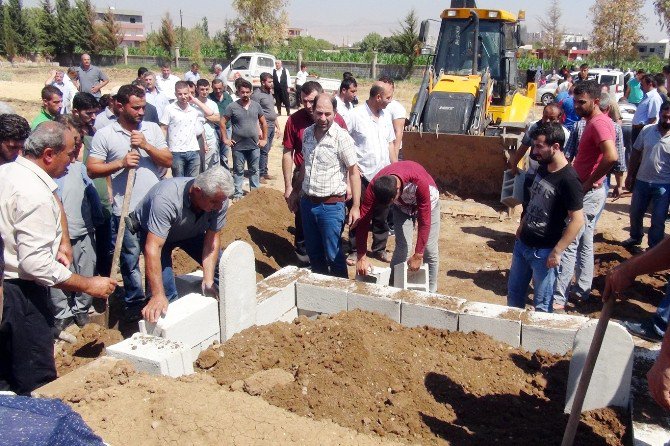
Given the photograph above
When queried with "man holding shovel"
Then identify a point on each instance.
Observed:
(129, 144)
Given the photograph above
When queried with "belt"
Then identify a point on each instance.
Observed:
(330, 199)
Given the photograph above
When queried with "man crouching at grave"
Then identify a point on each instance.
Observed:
(412, 192)
(184, 213)
(542, 236)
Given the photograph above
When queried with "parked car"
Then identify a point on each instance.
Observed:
(546, 93)
(614, 80)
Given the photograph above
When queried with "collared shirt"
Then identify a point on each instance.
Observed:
(344, 110)
(648, 108)
(43, 116)
(183, 128)
(166, 86)
(222, 104)
(90, 78)
(372, 138)
(113, 143)
(30, 224)
(300, 77)
(104, 119)
(655, 161)
(158, 100)
(266, 101)
(166, 212)
(572, 144)
(327, 161)
(295, 129)
(209, 128)
(68, 89)
(191, 76)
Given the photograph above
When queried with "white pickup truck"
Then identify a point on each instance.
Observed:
(251, 65)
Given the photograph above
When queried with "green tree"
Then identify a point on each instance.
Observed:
(83, 19)
(47, 35)
(166, 34)
(309, 43)
(13, 29)
(65, 30)
(205, 27)
(31, 43)
(408, 41)
(224, 39)
(389, 45)
(616, 28)
(662, 8)
(108, 33)
(552, 32)
(261, 23)
(370, 42)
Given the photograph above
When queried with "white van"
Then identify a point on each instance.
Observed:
(605, 76)
(250, 66)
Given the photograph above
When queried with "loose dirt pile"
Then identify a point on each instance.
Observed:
(261, 219)
(91, 343)
(368, 373)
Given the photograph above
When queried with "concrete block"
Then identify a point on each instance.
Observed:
(189, 283)
(237, 289)
(191, 320)
(272, 306)
(289, 316)
(374, 298)
(410, 280)
(610, 382)
(419, 309)
(377, 275)
(554, 333)
(500, 322)
(323, 294)
(151, 354)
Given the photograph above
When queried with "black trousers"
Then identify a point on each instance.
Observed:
(26, 338)
(281, 98)
(379, 227)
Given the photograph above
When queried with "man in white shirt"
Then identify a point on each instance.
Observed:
(182, 128)
(166, 81)
(374, 137)
(63, 83)
(31, 227)
(153, 96)
(345, 98)
(193, 74)
(300, 78)
(397, 114)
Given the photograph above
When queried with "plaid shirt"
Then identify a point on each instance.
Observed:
(327, 161)
(572, 144)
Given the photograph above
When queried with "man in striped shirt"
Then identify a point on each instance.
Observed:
(330, 155)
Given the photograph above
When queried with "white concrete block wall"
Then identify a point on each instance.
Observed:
(554, 333)
(189, 283)
(323, 294)
(374, 298)
(420, 309)
(237, 289)
(151, 354)
(498, 321)
(378, 275)
(276, 294)
(289, 316)
(411, 280)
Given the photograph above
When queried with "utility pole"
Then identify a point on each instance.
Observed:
(181, 28)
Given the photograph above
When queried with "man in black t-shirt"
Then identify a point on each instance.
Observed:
(550, 222)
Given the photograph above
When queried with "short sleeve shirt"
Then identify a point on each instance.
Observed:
(166, 211)
(90, 78)
(245, 125)
(635, 94)
(655, 163)
(209, 128)
(112, 143)
(183, 127)
(597, 130)
(327, 161)
(372, 140)
(267, 103)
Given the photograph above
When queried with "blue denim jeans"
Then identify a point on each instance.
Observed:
(662, 314)
(251, 157)
(323, 225)
(659, 197)
(265, 150)
(130, 267)
(224, 150)
(185, 164)
(192, 247)
(530, 262)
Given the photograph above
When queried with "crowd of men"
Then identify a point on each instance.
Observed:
(65, 179)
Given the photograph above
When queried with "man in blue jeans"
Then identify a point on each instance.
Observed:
(246, 117)
(542, 236)
(330, 155)
(649, 179)
(185, 213)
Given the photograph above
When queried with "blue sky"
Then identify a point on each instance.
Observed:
(347, 21)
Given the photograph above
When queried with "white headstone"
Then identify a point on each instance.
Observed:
(610, 382)
(237, 289)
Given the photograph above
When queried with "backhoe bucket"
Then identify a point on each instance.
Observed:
(465, 165)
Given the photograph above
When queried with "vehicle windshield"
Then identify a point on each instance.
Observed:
(454, 54)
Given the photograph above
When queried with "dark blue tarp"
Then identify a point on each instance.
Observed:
(42, 422)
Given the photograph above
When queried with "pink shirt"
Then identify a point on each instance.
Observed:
(598, 129)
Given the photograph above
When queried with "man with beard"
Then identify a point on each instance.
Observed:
(542, 235)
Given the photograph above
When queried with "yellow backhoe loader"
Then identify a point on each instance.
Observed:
(471, 108)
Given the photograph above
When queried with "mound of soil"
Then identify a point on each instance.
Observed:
(368, 373)
(91, 343)
(261, 219)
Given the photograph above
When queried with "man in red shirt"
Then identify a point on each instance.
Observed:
(292, 157)
(595, 157)
(411, 191)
